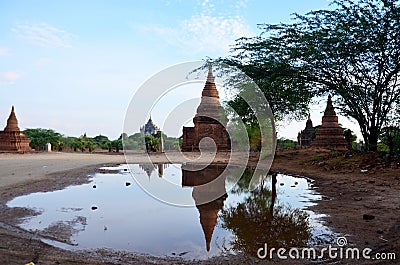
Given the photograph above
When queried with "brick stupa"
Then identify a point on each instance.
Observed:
(209, 121)
(306, 136)
(12, 139)
(330, 135)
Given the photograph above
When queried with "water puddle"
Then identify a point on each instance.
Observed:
(113, 211)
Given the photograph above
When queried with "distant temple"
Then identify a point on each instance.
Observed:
(209, 121)
(306, 136)
(12, 139)
(330, 135)
(149, 128)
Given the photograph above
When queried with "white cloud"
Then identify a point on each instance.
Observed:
(204, 33)
(9, 77)
(43, 34)
(207, 30)
(4, 51)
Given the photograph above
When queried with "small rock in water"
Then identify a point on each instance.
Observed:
(127, 184)
(368, 217)
(282, 184)
(94, 186)
(94, 208)
(105, 228)
(125, 169)
(296, 183)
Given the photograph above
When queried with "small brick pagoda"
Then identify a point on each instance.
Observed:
(209, 121)
(330, 135)
(12, 139)
(306, 136)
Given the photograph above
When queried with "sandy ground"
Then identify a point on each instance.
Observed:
(347, 196)
(19, 168)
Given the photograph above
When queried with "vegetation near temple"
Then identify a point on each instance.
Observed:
(351, 52)
(40, 137)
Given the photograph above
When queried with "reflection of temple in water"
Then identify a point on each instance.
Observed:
(209, 194)
(150, 168)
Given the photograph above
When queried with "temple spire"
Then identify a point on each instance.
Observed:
(329, 110)
(12, 122)
(330, 135)
(210, 76)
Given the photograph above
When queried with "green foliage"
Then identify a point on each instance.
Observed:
(39, 137)
(117, 144)
(102, 141)
(73, 143)
(254, 134)
(171, 143)
(351, 52)
(133, 142)
(383, 148)
(151, 143)
(285, 143)
(139, 141)
(390, 140)
(123, 136)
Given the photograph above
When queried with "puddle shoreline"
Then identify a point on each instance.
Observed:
(90, 181)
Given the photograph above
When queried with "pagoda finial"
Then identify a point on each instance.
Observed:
(12, 122)
(309, 116)
(210, 76)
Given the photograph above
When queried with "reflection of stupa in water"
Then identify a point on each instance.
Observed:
(209, 194)
(150, 168)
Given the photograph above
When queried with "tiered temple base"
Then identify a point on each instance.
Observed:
(330, 135)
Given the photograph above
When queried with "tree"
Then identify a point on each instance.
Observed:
(352, 52)
(285, 143)
(123, 136)
(74, 143)
(117, 144)
(39, 137)
(151, 143)
(101, 141)
(90, 144)
(391, 137)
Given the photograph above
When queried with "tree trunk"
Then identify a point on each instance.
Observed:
(373, 141)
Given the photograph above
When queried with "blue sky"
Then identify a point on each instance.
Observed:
(73, 66)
